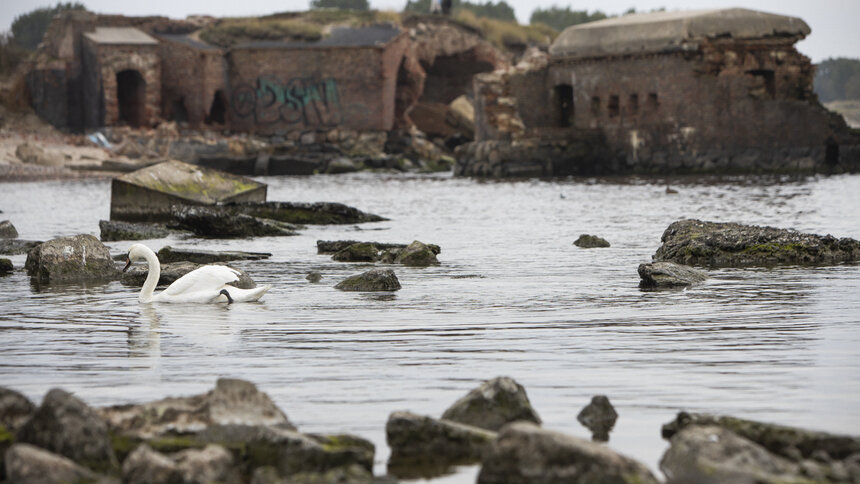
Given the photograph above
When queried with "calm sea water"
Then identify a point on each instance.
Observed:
(512, 296)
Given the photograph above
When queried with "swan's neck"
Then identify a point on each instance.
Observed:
(151, 278)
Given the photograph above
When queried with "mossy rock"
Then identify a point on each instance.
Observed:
(586, 241)
(370, 281)
(416, 254)
(360, 252)
(6, 266)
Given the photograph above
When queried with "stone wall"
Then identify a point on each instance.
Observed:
(115, 59)
(279, 89)
(190, 77)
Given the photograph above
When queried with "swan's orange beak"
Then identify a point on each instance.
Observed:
(127, 264)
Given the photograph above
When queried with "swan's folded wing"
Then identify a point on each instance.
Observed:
(203, 279)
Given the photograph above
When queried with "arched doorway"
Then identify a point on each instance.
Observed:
(218, 109)
(130, 94)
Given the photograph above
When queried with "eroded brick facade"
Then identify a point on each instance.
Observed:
(121, 69)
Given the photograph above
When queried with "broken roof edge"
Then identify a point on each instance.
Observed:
(335, 41)
(659, 32)
(120, 36)
(191, 182)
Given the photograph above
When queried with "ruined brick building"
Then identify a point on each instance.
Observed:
(667, 92)
(99, 70)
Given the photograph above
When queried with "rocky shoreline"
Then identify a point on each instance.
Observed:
(236, 433)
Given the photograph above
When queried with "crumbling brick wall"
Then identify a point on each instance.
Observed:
(114, 59)
(190, 77)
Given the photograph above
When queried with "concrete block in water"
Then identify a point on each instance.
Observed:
(148, 194)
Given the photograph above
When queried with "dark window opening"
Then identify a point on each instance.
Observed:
(653, 102)
(178, 112)
(131, 95)
(763, 86)
(564, 94)
(613, 106)
(218, 109)
(831, 151)
(595, 105)
(633, 104)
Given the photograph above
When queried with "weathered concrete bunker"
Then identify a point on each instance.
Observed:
(667, 92)
(149, 194)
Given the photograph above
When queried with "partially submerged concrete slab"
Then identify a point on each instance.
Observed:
(148, 195)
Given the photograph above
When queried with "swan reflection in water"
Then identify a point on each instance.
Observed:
(181, 325)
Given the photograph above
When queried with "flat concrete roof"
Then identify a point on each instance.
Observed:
(120, 36)
(666, 31)
(191, 182)
(368, 36)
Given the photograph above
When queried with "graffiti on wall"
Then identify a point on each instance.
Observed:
(300, 100)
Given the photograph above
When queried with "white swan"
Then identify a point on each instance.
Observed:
(205, 284)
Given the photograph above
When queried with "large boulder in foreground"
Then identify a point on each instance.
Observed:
(711, 454)
(694, 242)
(813, 456)
(67, 426)
(493, 404)
(669, 274)
(232, 401)
(136, 275)
(526, 453)
(79, 258)
(27, 464)
(425, 447)
(370, 281)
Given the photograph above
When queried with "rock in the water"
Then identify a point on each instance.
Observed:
(213, 463)
(493, 404)
(341, 165)
(590, 241)
(319, 213)
(314, 276)
(216, 223)
(146, 466)
(669, 274)
(15, 409)
(425, 447)
(372, 280)
(788, 442)
(332, 246)
(416, 254)
(734, 245)
(599, 416)
(111, 230)
(526, 453)
(360, 252)
(136, 275)
(711, 454)
(17, 247)
(27, 464)
(168, 254)
(6, 266)
(231, 402)
(71, 259)
(7, 230)
(67, 426)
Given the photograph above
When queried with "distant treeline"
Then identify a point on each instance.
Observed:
(498, 11)
(838, 79)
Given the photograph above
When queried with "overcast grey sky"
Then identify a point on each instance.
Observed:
(835, 23)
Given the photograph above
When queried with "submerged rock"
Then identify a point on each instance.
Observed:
(590, 241)
(7, 230)
(314, 276)
(111, 230)
(425, 447)
(16, 246)
(136, 275)
(28, 464)
(599, 416)
(526, 453)
(319, 213)
(493, 404)
(416, 254)
(66, 425)
(372, 280)
(696, 242)
(71, 259)
(6, 267)
(669, 274)
(215, 223)
(359, 252)
(168, 254)
(332, 246)
(232, 401)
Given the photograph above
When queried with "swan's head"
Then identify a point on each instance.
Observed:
(135, 252)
